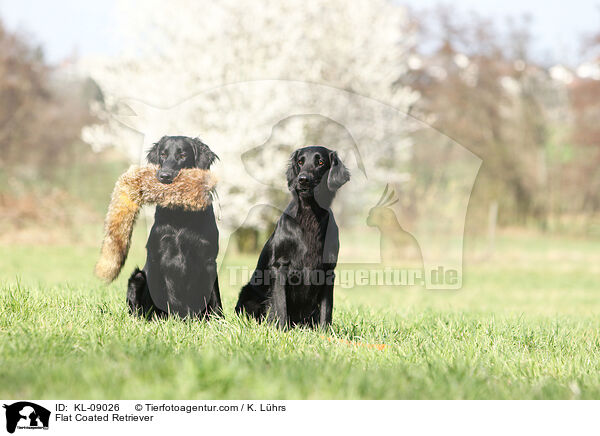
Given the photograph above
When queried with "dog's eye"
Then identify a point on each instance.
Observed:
(321, 163)
(163, 154)
(301, 162)
(182, 155)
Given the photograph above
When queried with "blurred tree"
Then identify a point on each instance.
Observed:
(23, 90)
(42, 112)
(40, 116)
(581, 171)
(481, 90)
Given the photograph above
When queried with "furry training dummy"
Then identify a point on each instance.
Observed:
(191, 190)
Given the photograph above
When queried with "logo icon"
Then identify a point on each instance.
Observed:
(26, 415)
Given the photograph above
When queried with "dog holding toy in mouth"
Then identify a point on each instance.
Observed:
(180, 274)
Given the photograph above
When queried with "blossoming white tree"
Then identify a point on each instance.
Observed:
(177, 56)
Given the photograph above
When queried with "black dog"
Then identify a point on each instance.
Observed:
(180, 275)
(293, 280)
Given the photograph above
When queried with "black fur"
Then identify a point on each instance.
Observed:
(180, 275)
(293, 281)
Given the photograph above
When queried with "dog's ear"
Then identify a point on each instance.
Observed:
(338, 173)
(152, 155)
(292, 170)
(204, 157)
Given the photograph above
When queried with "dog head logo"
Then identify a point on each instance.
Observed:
(26, 415)
(432, 174)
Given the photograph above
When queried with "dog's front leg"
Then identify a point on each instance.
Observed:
(326, 309)
(326, 303)
(214, 306)
(278, 303)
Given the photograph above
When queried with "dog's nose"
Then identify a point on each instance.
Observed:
(164, 177)
(303, 179)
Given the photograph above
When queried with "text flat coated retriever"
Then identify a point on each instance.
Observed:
(293, 281)
(180, 275)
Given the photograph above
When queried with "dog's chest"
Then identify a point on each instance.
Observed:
(313, 228)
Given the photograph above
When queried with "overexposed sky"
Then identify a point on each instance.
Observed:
(64, 27)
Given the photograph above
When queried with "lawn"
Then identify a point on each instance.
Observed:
(525, 325)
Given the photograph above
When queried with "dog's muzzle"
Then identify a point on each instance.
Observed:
(305, 183)
(165, 177)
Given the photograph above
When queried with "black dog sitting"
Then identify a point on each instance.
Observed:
(293, 280)
(180, 275)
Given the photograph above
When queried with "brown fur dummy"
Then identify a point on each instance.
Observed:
(191, 190)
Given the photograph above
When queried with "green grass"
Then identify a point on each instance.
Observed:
(525, 325)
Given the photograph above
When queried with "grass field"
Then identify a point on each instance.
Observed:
(525, 325)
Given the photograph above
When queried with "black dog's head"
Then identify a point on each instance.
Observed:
(309, 166)
(173, 153)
